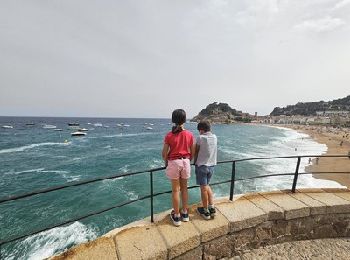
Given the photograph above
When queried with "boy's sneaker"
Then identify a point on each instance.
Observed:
(185, 217)
(204, 213)
(212, 212)
(176, 220)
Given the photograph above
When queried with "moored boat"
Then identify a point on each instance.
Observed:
(78, 133)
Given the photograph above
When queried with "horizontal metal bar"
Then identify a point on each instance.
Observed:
(116, 176)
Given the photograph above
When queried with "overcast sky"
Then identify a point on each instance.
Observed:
(146, 58)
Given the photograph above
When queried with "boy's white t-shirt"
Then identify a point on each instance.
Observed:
(207, 149)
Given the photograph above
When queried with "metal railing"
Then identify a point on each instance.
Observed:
(151, 196)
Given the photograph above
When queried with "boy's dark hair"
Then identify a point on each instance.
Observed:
(203, 125)
(178, 118)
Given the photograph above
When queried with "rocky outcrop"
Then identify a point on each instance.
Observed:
(221, 113)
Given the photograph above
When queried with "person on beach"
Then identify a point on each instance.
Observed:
(205, 160)
(178, 150)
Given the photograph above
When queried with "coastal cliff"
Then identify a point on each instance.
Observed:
(222, 113)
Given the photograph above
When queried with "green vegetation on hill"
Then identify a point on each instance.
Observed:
(310, 108)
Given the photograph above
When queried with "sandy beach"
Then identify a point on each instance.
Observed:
(338, 143)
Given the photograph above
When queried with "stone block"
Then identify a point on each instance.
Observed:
(335, 204)
(343, 195)
(180, 239)
(242, 214)
(210, 229)
(274, 212)
(281, 231)
(141, 243)
(316, 207)
(101, 248)
(219, 248)
(292, 207)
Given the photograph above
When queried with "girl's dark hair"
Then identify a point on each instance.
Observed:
(178, 118)
(203, 125)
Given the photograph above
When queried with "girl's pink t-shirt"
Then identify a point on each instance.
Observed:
(179, 144)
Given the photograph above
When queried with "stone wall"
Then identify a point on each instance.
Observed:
(249, 221)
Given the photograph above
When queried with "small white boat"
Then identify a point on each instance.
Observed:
(83, 129)
(119, 125)
(126, 125)
(98, 124)
(151, 124)
(49, 126)
(7, 126)
(78, 133)
(149, 128)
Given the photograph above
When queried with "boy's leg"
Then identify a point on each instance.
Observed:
(175, 195)
(210, 196)
(204, 195)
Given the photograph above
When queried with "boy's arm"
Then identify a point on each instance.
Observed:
(195, 149)
(165, 153)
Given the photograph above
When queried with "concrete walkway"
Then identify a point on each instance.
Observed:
(318, 249)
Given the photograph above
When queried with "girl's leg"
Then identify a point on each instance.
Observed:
(175, 195)
(184, 194)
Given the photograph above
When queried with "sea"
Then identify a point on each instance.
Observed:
(40, 152)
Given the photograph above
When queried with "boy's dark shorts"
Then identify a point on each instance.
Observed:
(203, 174)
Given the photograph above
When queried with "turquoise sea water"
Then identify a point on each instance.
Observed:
(32, 158)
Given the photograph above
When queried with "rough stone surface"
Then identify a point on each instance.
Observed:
(194, 254)
(101, 248)
(274, 212)
(179, 239)
(219, 248)
(242, 214)
(309, 249)
(293, 208)
(210, 229)
(141, 243)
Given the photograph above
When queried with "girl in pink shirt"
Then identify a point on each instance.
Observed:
(178, 150)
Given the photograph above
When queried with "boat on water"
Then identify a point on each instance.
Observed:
(49, 126)
(73, 124)
(126, 125)
(149, 128)
(83, 129)
(98, 124)
(7, 126)
(78, 133)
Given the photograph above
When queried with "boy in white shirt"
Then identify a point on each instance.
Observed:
(205, 160)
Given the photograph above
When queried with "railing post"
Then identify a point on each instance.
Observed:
(151, 182)
(233, 176)
(296, 174)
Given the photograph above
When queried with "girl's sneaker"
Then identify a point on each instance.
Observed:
(204, 213)
(176, 220)
(185, 217)
(212, 212)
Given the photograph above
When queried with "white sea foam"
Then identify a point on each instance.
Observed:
(31, 146)
(293, 143)
(51, 242)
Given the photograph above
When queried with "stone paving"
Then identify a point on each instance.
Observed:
(318, 249)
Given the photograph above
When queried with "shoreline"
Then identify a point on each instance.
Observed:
(338, 143)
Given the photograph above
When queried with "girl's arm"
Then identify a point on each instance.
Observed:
(165, 152)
